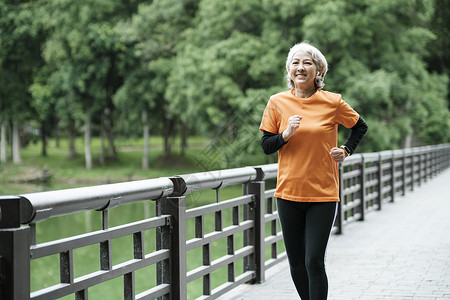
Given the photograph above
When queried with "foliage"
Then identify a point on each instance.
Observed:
(209, 66)
(19, 59)
(377, 53)
(151, 36)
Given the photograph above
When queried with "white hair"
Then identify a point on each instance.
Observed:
(318, 58)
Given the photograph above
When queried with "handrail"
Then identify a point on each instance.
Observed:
(267, 171)
(367, 181)
(40, 206)
(217, 179)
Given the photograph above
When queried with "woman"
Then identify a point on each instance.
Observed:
(301, 124)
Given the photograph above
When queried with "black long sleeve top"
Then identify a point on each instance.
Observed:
(271, 142)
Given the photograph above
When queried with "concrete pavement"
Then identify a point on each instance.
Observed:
(399, 253)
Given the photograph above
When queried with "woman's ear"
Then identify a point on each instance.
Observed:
(319, 71)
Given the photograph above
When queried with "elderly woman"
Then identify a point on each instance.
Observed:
(301, 124)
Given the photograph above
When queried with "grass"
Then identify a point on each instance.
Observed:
(71, 172)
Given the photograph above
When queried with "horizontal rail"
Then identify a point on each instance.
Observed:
(217, 235)
(37, 207)
(217, 179)
(226, 287)
(40, 206)
(218, 263)
(95, 237)
(100, 276)
(211, 208)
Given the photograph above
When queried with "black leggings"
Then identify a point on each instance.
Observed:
(306, 229)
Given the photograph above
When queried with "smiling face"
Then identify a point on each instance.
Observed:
(303, 71)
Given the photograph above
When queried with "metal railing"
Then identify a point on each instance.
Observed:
(367, 181)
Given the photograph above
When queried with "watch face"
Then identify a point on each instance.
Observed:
(346, 150)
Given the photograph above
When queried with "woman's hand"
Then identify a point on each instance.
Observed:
(338, 154)
(293, 125)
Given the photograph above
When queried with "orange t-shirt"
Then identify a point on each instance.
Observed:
(306, 170)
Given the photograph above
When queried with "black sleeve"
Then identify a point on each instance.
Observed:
(356, 134)
(271, 142)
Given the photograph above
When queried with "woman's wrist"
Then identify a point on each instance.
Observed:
(346, 151)
(284, 135)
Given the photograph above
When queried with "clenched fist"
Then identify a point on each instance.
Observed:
(338, 154)
(293, 125)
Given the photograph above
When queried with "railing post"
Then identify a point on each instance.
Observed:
(249, 235)
(425, 166)
(340, 218)
(437, 160)
(433, 162)
(380, 181)
(447, 164)
(14, 252)
(392, 176)
(257, 189)
(447, 156)
(419, 156)
(412, 155)
(403, 173)
(440, 159)
(176, 207)
(363, 188)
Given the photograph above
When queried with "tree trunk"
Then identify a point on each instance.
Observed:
(109, 134)
(16, 143)
(87, 142)
(71, 134)
(168, 129)
(3, 156)
(44, 139)
(183, 130)
(146, 129)
(113, 82)
(102, 158)
(57, 135)
(409, 140)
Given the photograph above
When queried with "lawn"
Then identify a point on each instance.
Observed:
(71, 172)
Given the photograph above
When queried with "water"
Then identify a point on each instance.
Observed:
(45, 271)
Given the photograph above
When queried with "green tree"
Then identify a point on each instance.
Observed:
(43, 104)
(233, 55)
(20, 58)
(152, 34)
(209, 66)
(377, 55)
(85, 51)
(438, 59)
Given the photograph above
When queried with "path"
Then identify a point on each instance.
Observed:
(399, 253)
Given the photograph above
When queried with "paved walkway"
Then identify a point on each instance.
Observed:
(401, 253)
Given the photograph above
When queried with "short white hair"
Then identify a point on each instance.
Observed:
(318, 58)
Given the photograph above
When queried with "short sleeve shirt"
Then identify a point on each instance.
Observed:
(306, 170)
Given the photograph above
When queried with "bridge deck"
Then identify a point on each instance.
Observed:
(402, 252)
